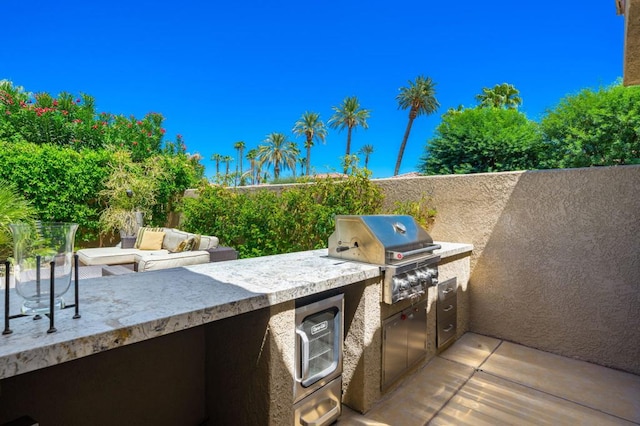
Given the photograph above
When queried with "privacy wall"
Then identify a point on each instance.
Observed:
(556, 262)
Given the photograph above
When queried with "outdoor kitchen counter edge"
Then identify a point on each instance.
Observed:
(125, 309)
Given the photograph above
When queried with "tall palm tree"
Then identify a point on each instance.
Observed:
(239, 146)
(251, 156)
(217, 158)
(312, 128)
(295, 151)
(349, 115)
(503, 95)
(227, 159)
(366, 150)
(420, 98)
(277, 153)
(302, 161)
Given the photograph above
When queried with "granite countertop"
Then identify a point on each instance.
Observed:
(125, 309)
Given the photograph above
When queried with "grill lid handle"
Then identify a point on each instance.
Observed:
(398, 255)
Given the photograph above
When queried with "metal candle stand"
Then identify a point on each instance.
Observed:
(51, 315)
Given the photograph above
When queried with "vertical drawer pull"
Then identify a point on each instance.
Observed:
(448, 308)
(448, 329)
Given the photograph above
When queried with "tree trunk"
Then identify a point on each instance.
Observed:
(348, 149)
(309, 141)
(403, 145)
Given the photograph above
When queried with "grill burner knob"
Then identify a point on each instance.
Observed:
(399, 284)
(424, 276)
(413, 279)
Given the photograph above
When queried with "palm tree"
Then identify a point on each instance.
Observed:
(501, 96)
(239, 146)
(302, 161)
(366, 150)
(227, 159)
(312, 128)
(217, 158)
(277, 153)
(349, 115)
(420, 98)
(295, 151)
(251, 156)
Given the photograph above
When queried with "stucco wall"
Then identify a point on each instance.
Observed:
(556, 262)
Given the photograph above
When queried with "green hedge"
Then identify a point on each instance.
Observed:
(61, 183)
(264, 223)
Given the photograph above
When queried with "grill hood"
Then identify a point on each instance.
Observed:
(379, 239)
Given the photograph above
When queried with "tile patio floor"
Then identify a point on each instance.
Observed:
(485, 381)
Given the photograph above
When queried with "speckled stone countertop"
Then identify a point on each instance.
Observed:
(125, 309)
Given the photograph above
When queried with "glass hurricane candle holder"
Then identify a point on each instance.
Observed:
(37, 251)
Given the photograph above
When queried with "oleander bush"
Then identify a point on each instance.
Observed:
(73, 122)
(59, 153)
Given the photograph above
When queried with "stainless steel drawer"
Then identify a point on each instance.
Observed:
(445, 307)
(447, 289)
(447, 311)
(447, 327)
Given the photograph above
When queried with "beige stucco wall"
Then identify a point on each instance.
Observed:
(631, 43)
(556, 261)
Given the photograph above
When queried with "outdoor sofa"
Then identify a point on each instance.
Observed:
(160, 248)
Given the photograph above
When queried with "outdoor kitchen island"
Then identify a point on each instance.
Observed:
(212, 342)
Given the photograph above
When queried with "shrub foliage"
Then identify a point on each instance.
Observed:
(594, 128)
(59, 152)
(478, 140)
(60, 183)
(264, 222)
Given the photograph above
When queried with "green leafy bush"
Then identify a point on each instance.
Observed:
(594, 128)
(72, 121)
(479, 140)
(263, 222)
(421, 210)
(13, 208)
(60, 183)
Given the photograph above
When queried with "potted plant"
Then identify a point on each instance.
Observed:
(129, 193)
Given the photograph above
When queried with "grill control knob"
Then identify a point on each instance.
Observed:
(413, 279)
(404, 283)
(433, 272)
(424, 276)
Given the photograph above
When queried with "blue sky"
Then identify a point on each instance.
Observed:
(220, 72)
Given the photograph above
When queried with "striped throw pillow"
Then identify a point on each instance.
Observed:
(141, 232)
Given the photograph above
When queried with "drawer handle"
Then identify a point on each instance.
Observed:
(448, 329)
(448, 308)
(447, 291)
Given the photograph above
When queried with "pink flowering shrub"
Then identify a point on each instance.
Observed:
(70, 121)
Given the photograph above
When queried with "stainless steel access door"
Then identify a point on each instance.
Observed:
(319, 333)
(404, 342)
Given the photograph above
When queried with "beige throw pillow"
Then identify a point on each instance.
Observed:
(141, 233)
(151, 240)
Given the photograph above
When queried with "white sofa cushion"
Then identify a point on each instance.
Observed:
(173, 237)
(154, 261)
(111, 255)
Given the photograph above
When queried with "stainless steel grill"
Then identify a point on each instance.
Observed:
(397, 243)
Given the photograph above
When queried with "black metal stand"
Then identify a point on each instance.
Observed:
(76, 277)
(52, 298)
(51, 314)
(6, 330)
